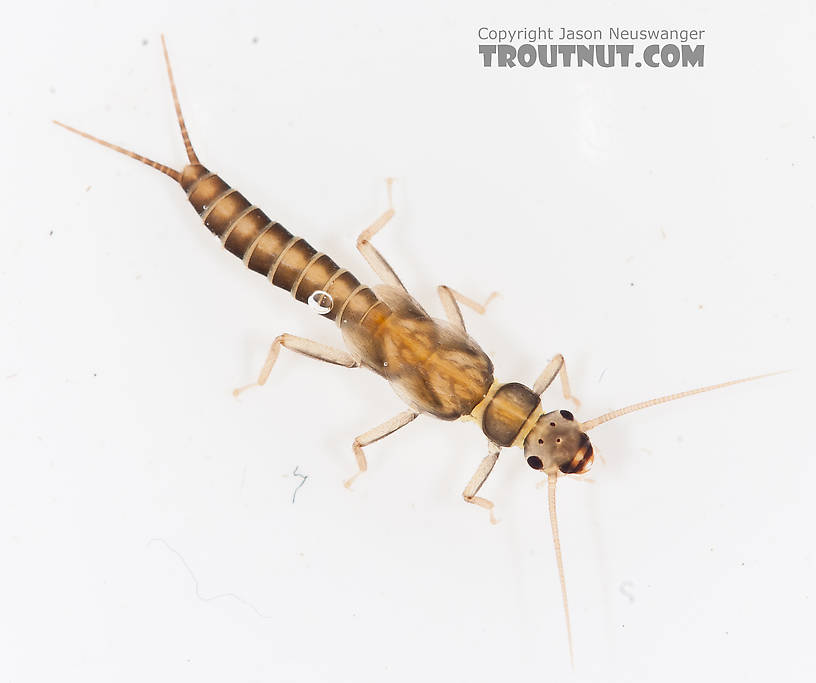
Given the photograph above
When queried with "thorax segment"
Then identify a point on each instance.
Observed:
(507, 413)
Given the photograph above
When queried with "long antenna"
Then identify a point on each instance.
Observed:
(551, 481)
(591, 424)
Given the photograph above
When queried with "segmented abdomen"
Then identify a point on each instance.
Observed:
(268, 248)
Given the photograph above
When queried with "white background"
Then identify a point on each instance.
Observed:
(655, 226)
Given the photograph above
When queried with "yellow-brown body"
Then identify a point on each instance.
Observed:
(434, 366)
(268, 248)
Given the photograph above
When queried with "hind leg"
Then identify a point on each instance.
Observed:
(378, 264)
(307, 347)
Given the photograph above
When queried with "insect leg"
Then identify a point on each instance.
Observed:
(372, 435)
(556, 366)
(378, 264)
(450, 302)
(307, 347)
(481, 474)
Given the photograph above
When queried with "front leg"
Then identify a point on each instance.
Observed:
(479, 478)
(557, 366)
(307, 347)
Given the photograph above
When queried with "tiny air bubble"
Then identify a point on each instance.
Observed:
(321, 301)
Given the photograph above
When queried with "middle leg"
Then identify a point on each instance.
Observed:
(450, 302)
(372, 435)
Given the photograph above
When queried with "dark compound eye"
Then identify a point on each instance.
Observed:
(541, 441)
(535, 462)
(567, 415)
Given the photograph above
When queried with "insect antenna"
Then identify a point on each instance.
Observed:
(591, 424)
(552, 478)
